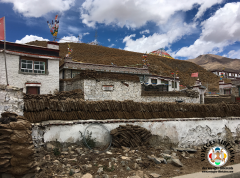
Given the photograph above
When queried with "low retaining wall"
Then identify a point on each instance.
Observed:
(178, 132)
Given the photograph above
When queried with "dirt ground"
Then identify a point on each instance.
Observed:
(120, 163)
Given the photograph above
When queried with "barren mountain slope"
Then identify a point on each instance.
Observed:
(158, 65)
(215, 62)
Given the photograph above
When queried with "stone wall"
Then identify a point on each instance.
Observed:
(69, 85)
(93, 91)
(11, 99)
(49, 82)
(16, 148)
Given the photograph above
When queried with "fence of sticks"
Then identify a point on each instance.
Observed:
(37, 110)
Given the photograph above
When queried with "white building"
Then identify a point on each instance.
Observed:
(227, 74)
(33, 68)
(201, 90)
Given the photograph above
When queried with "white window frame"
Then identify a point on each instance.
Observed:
(39, 71)
(26, 69)
(33, 69)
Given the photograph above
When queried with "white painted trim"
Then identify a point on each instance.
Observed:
(29, 55)
(34, 85)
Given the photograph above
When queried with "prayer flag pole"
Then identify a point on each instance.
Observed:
(4, 51)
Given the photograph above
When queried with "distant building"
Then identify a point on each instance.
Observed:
(69, 69)
(227, 74)
(33, 68)
(225, 88)
(108, 82)
(201, 90)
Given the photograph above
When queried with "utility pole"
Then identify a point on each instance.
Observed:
(174, 82)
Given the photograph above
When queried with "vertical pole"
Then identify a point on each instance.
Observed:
(4, 53)
(174, 81)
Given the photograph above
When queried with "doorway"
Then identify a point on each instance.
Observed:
(33, 90)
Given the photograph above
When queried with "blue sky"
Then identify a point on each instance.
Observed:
(185, 28)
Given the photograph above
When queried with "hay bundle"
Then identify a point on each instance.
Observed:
(130, 136)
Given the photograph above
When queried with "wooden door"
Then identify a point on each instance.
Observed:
(33, 90)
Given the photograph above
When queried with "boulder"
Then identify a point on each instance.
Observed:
(177, 162)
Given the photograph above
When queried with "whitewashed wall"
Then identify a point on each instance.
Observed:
(93, 91)
(11, 100)
(49, 82)
(181, 133)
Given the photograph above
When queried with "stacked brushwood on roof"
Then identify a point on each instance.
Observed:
(47, 108)
(89, 74)
(78, 93)
(130, 136)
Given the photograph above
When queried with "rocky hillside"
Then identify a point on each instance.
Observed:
(158, 65)
(214, 62)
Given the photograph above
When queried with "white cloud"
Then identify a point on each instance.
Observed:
(135, 13)
(170, 33)
(66, 39)
(145, 31)
(109, 39)
(29, 38)
(73, 29)
(111, 45)
(219, 31)
(38, 8)
(86, 33)
(234, 54)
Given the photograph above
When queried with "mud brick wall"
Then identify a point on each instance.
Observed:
(215, 100)
(16, 146)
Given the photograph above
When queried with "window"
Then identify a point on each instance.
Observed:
(31, 66)
(154, 81)
(107, 87)
(164, 82)
(229, 74)
(227, 92)
(26, 66)
(235, 75)
(174, 85)
(39, 67)
(75, 72)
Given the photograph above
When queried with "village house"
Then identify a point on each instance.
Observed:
(34, 69)
(225, 88)
(227, 74)
(110, 82)
(201, 90)
(69, 69)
